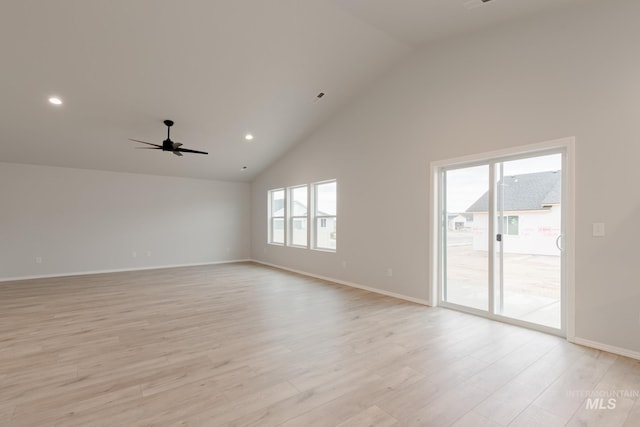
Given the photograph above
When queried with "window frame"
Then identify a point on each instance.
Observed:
(506, 224)
(316, 217)
(289, 200)
(272, 218)
(312, 217)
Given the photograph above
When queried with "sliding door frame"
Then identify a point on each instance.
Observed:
(437, 237)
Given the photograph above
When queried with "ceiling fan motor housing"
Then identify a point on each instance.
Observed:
(168, 144)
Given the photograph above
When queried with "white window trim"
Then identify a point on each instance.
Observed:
(311, 217)
(292, 218)
(316, 217)
(272, 218)
(568, 205)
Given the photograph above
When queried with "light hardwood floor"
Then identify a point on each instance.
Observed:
(242, 344)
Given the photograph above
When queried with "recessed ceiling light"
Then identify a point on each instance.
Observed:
(248, 137)
(55, 100)
(243, 168)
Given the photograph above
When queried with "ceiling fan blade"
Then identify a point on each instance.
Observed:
(186, 150)
(168, 144)
(145, 142)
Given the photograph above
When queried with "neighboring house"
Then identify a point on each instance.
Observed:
(325, 233)
(531, 209)
(459, 221)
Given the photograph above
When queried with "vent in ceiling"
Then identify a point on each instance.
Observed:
(473, 4)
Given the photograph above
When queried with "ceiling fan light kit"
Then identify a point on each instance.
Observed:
(168, 144)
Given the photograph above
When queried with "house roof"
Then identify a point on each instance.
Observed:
(528, 192)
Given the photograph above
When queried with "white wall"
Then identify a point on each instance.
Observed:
(80, 220)
(575, 73)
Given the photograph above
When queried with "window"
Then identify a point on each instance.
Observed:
(511, 225)
(292, 220)
(276, 216)
(298, 218)
(325, 215)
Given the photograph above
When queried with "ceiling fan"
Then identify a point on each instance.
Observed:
(168, 144)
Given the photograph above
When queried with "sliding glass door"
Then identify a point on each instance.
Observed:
(502, 238)
(529, 213)
(466, 263)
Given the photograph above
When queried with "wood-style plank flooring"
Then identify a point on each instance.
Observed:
(243, 344)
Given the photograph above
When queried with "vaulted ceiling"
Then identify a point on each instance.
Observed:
(219, 68)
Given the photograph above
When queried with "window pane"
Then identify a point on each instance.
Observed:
(326, 199)
(466, 237)
(513, 226)
(531, 288)
(277, 203)
(277, 232)
(299, 232)
(326, 235)
(299, 201)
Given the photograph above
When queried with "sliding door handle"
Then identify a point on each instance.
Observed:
(558, 242)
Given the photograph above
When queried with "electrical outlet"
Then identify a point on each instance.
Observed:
(344, 264)
(38, 260)
(598, 229)
(148, 253)
(389, 272)
(134, 254)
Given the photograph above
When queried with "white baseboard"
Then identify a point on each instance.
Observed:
(345, 283)
(605, 347)
(119, 270)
